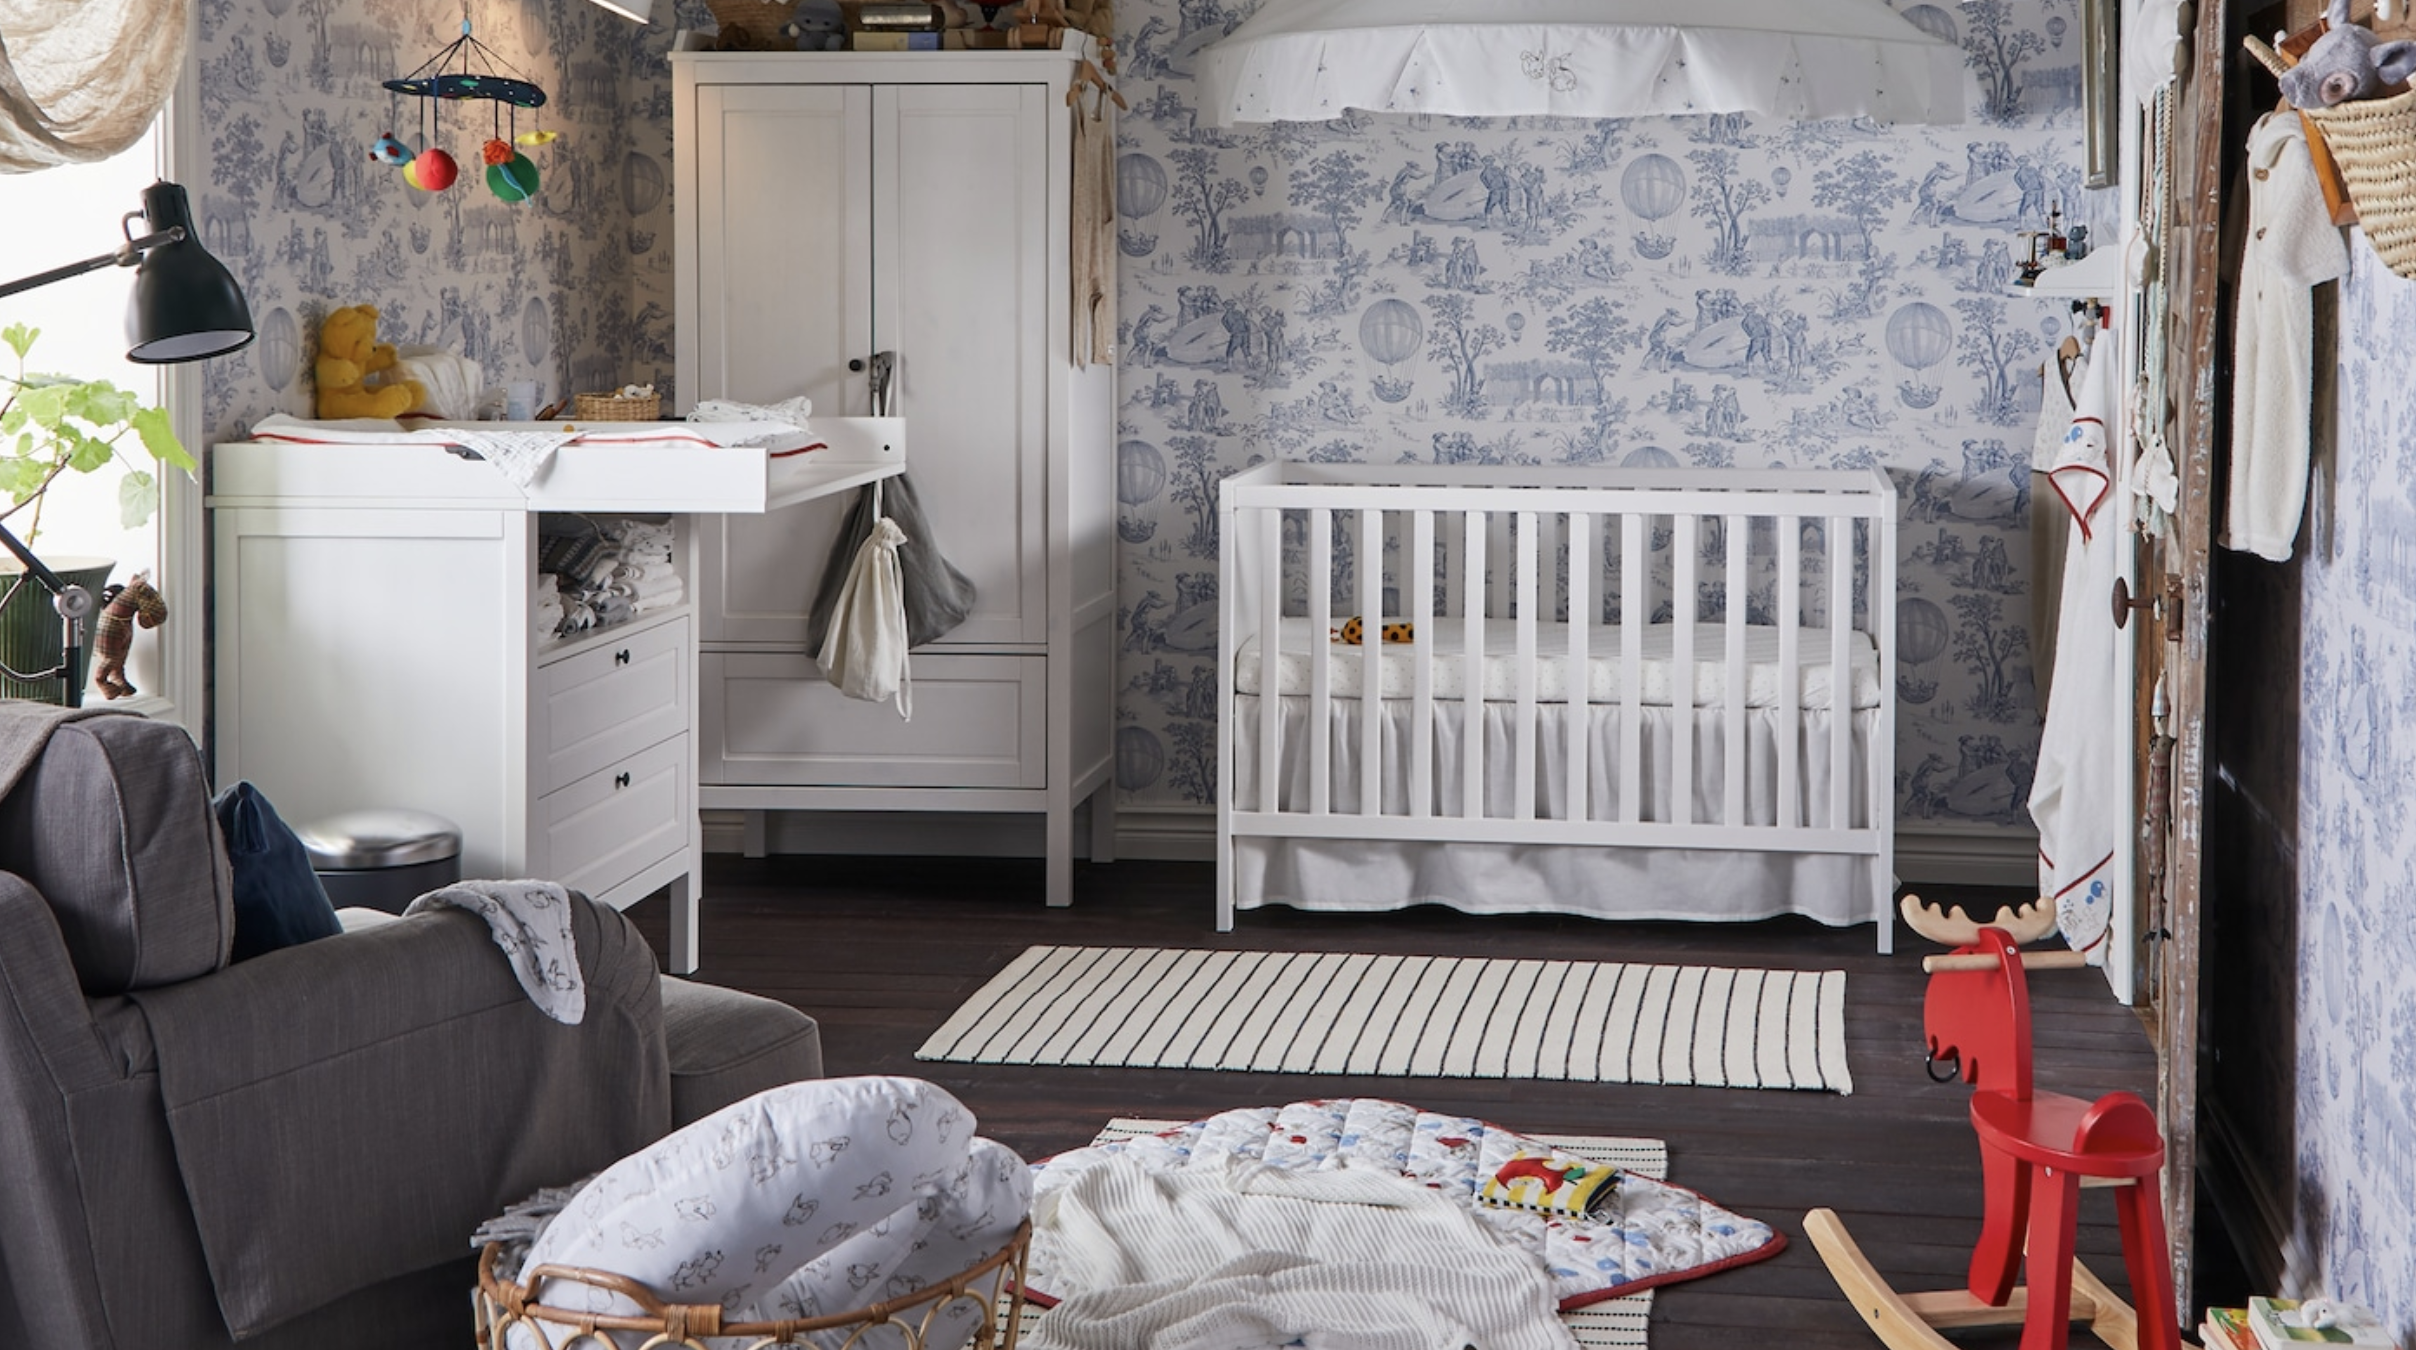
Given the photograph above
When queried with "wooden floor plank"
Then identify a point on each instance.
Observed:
(882, 950)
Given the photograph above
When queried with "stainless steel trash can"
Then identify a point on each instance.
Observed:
(383, 858)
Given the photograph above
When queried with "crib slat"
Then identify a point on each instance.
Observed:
(1455, 570)
(1841, 674)
(1634, 531)
(1371, 663)
(1522, 791)
(1270, 651)
(1321, 659)
(1682, 669)
(1579, 710)
(1418, 578)
(1733, 732)
(1472, 675)
(1790, 619)
(1497, 564)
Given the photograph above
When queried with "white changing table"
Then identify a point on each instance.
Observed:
(374, 646)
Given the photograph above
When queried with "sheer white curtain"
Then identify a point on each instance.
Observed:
(81, 80)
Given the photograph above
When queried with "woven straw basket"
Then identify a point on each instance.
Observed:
(2374, 142)
(615, 408)
(760, 20)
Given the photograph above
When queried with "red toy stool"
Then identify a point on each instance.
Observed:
(2037, 1149)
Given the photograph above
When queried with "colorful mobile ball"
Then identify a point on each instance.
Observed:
(434, 170)
(497, 151)
(515, 181)
(533, 139)
(411, 175)
(389, 151)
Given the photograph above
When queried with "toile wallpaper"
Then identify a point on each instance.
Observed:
(2356, 1118)
(544, 290)
(1705, 291)
(1714, 290)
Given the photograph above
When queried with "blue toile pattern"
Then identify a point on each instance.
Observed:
(1718, 290)
(546, 290)
(2356, 1014)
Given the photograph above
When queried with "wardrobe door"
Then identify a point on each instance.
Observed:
(782, 278)
(962, 182)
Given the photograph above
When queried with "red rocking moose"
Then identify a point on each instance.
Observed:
(2037, 1149)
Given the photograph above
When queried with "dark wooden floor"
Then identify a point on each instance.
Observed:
(881, 950)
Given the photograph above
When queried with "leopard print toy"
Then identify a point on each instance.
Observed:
(1354, 632)
(113, 636)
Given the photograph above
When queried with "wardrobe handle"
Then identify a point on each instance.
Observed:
(621, 657)
(620, 780)
(856, 367)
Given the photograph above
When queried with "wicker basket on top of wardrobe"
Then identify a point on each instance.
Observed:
(994, 1284)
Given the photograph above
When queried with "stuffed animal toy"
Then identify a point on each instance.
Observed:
(349, 354)
(121, 608)
(2346, 64)
(1354, 632)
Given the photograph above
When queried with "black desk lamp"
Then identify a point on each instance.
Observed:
(186, 307)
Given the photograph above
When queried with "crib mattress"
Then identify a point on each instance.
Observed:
(1347, 677)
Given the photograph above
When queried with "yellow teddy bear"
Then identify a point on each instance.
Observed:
(349, 354)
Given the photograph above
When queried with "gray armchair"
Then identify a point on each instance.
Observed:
(294, 1150)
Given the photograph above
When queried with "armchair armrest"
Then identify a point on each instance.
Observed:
(348, 1110)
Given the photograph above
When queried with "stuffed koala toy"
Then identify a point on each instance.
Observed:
(2346, 64)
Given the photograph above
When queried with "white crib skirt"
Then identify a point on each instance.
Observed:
(1607, 882)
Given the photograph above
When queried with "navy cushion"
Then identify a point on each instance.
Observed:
(278, 899)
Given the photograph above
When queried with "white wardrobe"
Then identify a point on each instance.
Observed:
(834, 206)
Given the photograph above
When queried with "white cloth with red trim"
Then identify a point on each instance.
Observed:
(2082, 813)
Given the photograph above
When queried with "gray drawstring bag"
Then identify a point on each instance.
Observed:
(938, 597)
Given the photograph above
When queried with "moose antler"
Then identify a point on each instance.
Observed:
(1954, 928)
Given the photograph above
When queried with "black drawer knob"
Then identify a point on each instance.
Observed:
(621, 657)
(620, 780)
(856, 367)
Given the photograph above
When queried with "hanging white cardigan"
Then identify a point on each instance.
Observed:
(2292, 247)
(2082, 814)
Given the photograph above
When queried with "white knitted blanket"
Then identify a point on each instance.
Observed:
(1353, 1258)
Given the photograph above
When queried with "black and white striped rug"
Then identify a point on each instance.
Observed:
(1405, 1016)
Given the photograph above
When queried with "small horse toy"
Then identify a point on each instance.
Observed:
(121, 608)
(2037, 1149)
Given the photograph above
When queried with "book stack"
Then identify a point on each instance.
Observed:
(2288, 1323)
(894, 25)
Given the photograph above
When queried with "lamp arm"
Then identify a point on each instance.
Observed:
(125, 255)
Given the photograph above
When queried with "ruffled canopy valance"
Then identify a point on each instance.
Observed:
(80, 80)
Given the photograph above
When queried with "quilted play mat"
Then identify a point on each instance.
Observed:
(1632, 1232)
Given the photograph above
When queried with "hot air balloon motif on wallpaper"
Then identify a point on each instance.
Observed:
(1921, 634)
(1140, 478)
(1654, 187)
(1919, 336)
(1140, 191)
(1390, 331)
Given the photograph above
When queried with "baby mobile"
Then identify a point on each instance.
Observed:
(468, 68)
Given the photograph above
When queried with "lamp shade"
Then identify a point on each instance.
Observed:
(186, 304)
(1314, 60)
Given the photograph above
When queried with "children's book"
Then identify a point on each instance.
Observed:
(2285, 1323)
(2227, 1329)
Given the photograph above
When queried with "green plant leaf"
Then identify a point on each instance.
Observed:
(19, 338)
(12, 421)
(137, 498)
(101, 403)
(20, 478)
(45, 404)
(159, 437)
(87, 453)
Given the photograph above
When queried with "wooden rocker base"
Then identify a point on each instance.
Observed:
(1912, 1321)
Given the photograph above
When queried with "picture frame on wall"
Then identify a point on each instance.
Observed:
(2100, 92)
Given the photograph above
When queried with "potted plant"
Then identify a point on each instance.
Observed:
(51, 425)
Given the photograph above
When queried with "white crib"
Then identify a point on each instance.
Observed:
(1533, 748)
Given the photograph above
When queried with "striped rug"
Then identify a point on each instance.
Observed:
(1405, 1016)
(1613, 1324)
